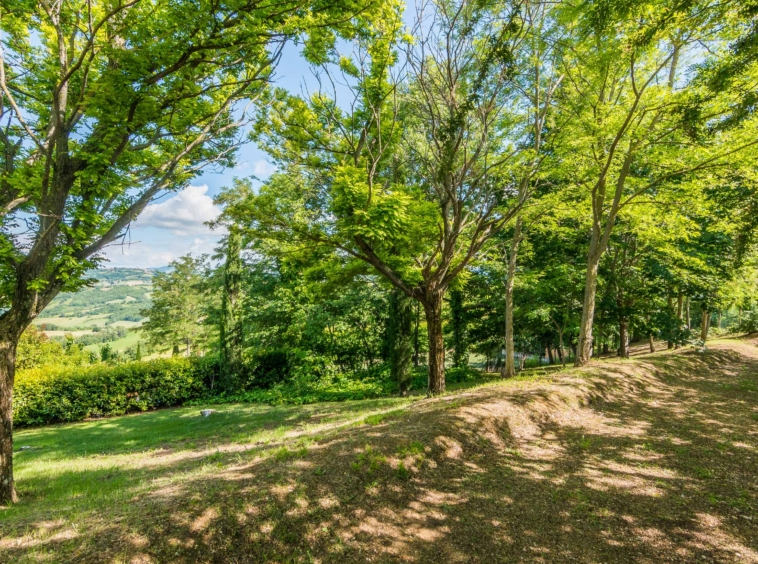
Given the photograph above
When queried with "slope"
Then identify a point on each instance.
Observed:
(647, 460)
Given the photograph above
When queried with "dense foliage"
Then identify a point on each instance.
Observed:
(50, 395)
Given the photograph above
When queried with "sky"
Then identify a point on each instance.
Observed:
(174, 225)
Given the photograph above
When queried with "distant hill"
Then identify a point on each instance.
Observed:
(115, 299)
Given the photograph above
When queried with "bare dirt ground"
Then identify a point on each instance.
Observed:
(646, 460)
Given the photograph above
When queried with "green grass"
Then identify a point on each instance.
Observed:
(94, 466)
(83, 321)
(119, 344)
(343, 482)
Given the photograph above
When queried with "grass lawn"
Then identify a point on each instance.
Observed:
(652, 459)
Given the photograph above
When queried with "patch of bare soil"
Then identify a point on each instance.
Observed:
(650, 460)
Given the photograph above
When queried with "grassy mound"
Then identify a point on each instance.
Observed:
(646, 460)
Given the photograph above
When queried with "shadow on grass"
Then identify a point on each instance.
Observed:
(651, 460)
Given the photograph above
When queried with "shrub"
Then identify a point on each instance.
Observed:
(749, 321)
(268, 368)
(35, 349)
(58, 394)
(452, 376)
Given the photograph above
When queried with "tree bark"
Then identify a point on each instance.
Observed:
(7, 372)
(584, 348)
(401, 348)
(689, 322)
(550, 354)
(704, 325)
(509, 366)
(623, 339)
(433, 310)
(651, 343)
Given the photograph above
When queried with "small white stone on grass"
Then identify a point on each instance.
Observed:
(206, 412)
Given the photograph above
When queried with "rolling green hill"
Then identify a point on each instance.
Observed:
(115, 299)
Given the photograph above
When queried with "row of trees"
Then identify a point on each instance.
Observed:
(497, 122)
(606, 146)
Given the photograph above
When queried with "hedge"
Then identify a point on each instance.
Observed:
(60, 394)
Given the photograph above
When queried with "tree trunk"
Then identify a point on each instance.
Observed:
(550, 354)
(704, 325)
(400, 345)
(433, 310)
(689, 321)
(651, 343)
(584, 348)
(670, 343)
(416, 344)
(7, 372)
(560, 347)
(719, 320)
(623, 339)
(459, 330)
(509, 366)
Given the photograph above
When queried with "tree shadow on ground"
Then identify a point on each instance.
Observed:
(651, 460)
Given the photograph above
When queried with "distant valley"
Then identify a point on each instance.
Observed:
(110, 307)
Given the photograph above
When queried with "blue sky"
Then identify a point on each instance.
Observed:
(174, 225)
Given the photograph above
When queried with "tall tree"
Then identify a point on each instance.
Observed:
(106, 103)
(400, 344)
(181, 301)
(623, 95)
(451, 126)
(458, 329)
(230, 323)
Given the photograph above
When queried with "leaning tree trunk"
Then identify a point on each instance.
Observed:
(584, 348)
(433, 309)
(509, 366)
(7, 372)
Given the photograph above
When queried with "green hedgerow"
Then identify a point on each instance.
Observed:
(52, 395)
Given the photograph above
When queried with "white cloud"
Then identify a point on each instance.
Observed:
(159, 250)
(167, 230)
(183, 214)
(263, 169)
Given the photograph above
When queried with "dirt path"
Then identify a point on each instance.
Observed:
(648, 460)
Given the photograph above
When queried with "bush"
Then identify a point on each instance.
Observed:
(420, 378)
(35, 349)
(303, 389)
(749, 321)
(59, 394)
(268, 368)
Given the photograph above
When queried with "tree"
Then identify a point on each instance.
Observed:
(230, 324)
(106, 103)
(180, 310)
(459, 333)
(623, 97)
(410, 177)
(399, 337)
